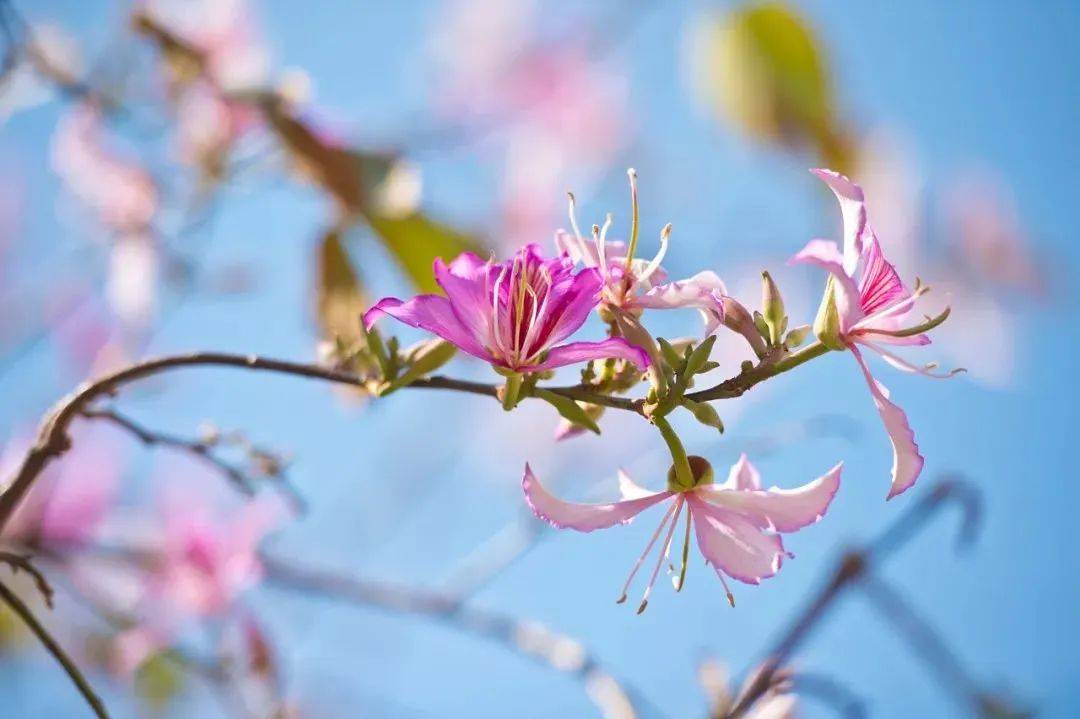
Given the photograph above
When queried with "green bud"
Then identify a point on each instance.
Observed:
(772, 309)
(671, 356)
(700, 469)
(827, 322)
(761, 325)
(796, 337)
(705, 413)
(700, 356)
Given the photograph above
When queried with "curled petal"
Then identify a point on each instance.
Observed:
(782, 510)
(826, 255)
(904, 366)
(733, 544)
(853, 209)
(584, 351)
(432, 313)
(704, 291)
(907, 462)
(583, 517)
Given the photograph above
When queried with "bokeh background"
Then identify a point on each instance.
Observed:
(958, 119)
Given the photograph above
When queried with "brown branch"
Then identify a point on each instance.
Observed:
(28, 618)
(22, 563)
(558, 651)
(854, 565)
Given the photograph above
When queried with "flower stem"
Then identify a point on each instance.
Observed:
(683, 476)
(511, 391)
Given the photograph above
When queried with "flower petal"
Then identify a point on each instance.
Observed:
(902, 364)
(732, 544)
(575, 303)
(782, 510)
(880, 285)
(467, 282)
(826, 255)
(907, 462)
(583, 351)
(853, 209)
(582, 517)
(704, 291)
(432, 313)
(743, 475)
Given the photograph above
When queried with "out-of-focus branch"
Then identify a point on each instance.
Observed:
(558, 651)
(50, 644)
(854, 566)
(204, 449)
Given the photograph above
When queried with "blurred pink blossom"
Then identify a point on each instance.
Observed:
(116, 189)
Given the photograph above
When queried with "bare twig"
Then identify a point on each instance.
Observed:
(202, 448)
(22, 563)
(28, 618)
(853, 566)
(558, 651)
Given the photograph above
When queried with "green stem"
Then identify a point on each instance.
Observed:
(683, 476)
(512, 391)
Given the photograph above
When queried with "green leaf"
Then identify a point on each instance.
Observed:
(339, 297)
(427, 357)
(158, 681)
(699, 356)
(705, 413)
(568, 409)
(415, 240)
(765, 69)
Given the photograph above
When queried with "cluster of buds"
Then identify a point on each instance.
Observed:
(517, 315)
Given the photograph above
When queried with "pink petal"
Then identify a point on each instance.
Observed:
(743, 475)
(853, 209)
(781, 510)
(467, 282)
(704, 291)
(733, 545)
(574, 306)
(582, 517)
(902, 364)
(826, 255)
(880, 285)
(583, 351)
(907, 462)
(432, 313)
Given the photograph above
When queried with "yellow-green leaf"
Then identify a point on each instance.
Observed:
(414, 240)
(339, 295)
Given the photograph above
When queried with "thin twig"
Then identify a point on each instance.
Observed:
(558, 651)
(22, 563)
(28, 618)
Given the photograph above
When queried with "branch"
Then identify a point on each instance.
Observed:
(202, 449)
(853, 566)
(28, 618)
(558, 651)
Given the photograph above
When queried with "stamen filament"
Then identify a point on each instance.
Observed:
(663, 554)
(648, 548)
(685, 552)
(654, 265)
(634, 216)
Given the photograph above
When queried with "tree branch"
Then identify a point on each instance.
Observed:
(28, 618)
(558, 651)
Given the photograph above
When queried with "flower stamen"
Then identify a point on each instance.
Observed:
(664, 551)
(641, 559)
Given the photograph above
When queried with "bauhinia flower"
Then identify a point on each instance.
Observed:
(737, 523)
(632, 285)
(201, 569)
(866, 304)
(512, 314)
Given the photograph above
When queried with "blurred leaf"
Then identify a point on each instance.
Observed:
(568, 409)
(415, 240)
(339, 295)
(765, 69)
(157, 681)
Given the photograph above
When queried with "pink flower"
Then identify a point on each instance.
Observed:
(637, 285)
(512, 314)
(71, 499)
(866, 304)
(738, 524)
(201, 569)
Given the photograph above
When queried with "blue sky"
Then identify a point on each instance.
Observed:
(404, 489)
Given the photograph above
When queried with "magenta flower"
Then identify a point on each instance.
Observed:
(866, 304)
(512, 314)
(737, 523)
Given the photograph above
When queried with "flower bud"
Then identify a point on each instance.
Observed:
(827, 322)
(700, 470)
(772, 308)
(705, 413)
